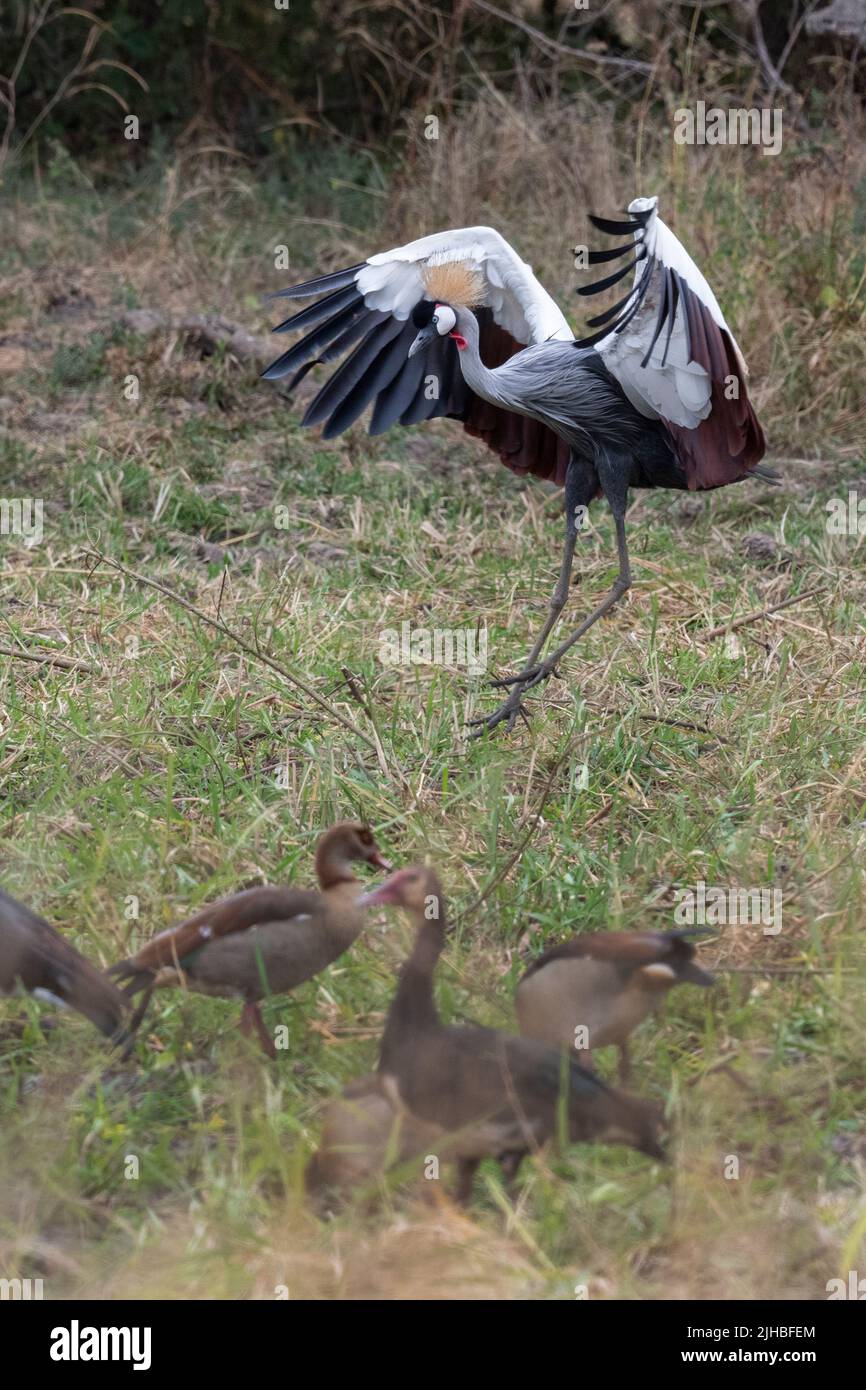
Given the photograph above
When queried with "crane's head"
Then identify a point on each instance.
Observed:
(432, 320)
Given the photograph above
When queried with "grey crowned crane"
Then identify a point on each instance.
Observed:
(456, 324)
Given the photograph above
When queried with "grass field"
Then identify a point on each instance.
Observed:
(168, 765)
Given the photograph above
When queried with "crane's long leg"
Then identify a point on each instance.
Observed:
(557, 601)
(534, 674)
(580, 488)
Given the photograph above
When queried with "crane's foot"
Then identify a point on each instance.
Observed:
(532, 676)
(512, 708)
(507, 713)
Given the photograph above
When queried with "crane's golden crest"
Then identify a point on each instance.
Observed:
(453, 282)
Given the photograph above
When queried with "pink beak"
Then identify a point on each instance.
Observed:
(377, 897)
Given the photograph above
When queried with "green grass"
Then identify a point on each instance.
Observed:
(177, 768)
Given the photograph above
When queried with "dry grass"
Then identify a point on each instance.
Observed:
(739, 762)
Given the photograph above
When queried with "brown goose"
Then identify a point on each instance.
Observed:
(35, 957)
(365, 1132)
(264, 940)
(493, 1094)
(606, 983)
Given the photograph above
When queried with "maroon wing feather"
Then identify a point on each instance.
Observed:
(730, 442)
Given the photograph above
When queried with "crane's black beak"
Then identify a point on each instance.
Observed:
(424, 337)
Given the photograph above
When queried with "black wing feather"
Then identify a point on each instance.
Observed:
(610, 313)
(395, 398)
(673, 302)
(319, 338)
(354, 367)
(609, 280)
(379, 373)
(335, 281)
(601, 257)
(604, 224)
(323, 308)
(660, 317)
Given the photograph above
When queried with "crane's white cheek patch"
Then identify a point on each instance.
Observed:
(445, 319)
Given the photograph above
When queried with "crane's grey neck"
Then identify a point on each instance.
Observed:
(479, 378)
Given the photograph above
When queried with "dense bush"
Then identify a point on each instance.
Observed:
(256, 77)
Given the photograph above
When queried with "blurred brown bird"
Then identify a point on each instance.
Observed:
(35, 957)
(262, 941)
(493, 1094)
(604, 984)
(366, 1132)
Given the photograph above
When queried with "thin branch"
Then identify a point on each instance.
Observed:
(759, 613)
(68, 663)
(771, 72)
(629, 64)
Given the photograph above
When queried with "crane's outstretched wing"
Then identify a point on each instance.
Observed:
(366, 311)
(669, 347)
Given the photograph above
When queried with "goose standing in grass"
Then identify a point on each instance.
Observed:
(456, 324)
(605, 983)
(35, 957)
(262, 941)
(492, 1094)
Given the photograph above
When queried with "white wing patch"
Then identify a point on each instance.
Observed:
(669, 385)
(393, 281)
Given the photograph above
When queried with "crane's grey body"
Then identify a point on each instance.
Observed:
(570, 390)
(559, 385)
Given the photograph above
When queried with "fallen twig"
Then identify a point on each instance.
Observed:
(759, 613)
(684, 724)
(211, 331)
(69, 663)
(355, 691)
